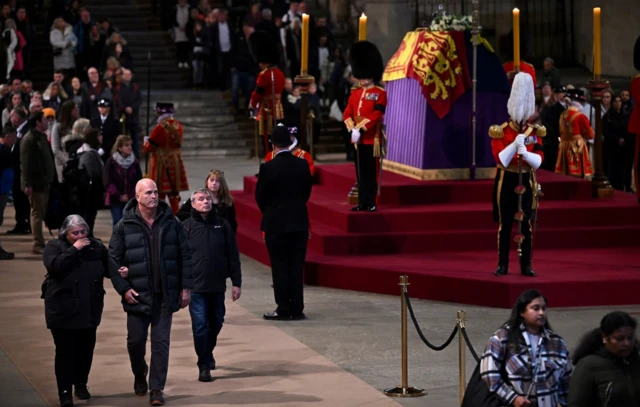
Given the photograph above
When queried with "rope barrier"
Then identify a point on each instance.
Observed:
(463, 331)
(421, 335)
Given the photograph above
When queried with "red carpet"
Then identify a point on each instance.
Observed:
(441, 234)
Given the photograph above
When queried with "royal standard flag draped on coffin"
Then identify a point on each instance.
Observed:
(438, 61)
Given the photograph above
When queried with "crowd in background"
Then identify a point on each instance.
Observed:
(65, 145)
(618, 143)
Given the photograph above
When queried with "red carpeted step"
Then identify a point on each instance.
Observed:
(567, 277)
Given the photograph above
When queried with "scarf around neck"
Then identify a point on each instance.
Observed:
(123, 162)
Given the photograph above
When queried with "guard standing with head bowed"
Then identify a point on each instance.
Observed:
(515, 189)
(363, 118)
(267, 96)
(165, 164)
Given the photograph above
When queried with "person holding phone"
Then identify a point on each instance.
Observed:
(73, 294)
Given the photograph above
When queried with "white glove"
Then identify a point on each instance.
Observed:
(520, 140)
(100, 151)
(522, 150)
(355, 135)
(534, 160)
(146, 139)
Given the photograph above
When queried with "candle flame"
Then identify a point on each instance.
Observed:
(516, 10)
(363, 15)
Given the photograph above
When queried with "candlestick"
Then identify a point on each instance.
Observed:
(597, 61)
(304, 57)
(362, 28)
(516, 39)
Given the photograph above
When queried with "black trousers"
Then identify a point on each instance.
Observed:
(224, 70)
(137, 331)
(505, 208)
(182, 51)
(367, 184)
(550, 151)
(21, 205)
(287, 252)
(74, 355)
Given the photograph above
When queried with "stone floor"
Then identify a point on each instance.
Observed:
(343, 355)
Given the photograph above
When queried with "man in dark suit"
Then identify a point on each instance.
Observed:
(284, 187)
(108, 125)
(21, 204)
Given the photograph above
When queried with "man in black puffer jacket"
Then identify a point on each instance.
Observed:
(215, 258)
(150, 267)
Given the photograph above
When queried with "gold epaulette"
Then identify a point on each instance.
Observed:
(541, 131)
(497, 131)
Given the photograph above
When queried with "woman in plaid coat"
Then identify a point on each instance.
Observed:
(526, 363)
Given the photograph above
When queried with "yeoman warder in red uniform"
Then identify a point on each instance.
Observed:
(165, 164)
(267, 96)
(363, 118)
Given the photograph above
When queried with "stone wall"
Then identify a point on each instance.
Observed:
(389, 20)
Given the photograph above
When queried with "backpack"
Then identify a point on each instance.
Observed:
(76, 181)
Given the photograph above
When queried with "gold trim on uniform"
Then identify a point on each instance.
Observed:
(431, 175)
(497, 131)
(361, 124)
(349, 123)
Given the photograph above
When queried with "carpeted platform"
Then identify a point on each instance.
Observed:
(441, 234)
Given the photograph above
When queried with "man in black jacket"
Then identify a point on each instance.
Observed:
(108, 125)
(18, 119)
(215, 258)
(284, 187)
(127, 102)
(150, 267)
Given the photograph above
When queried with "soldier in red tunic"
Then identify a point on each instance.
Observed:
(165, 164)
(295, 151)
(509, 66)
(510, 141)
(267, 97)
(575, 130)
(363, 118)
(634, 121)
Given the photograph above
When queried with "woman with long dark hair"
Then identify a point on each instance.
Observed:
(526, 363)
(607, 365)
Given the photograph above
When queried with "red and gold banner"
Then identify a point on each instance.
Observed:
(438, 61)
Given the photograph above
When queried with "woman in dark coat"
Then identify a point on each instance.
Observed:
(607, 365)
(73, 295)
(121, 174)
(222, 200)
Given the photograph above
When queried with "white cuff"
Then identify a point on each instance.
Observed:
(506, 155)
(534, 160)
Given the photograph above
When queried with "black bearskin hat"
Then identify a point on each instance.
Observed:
(366, 61)
(636, 55)
(264, 48)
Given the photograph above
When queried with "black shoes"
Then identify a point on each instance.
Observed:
(20, 230)
(274, 316)
(5, 255)
(527, 271)
(524, 270)
(205, 374)
(362, 208)
(140, 386)
(82, 392)
(66, 399)
(501, 271)
(156, 398)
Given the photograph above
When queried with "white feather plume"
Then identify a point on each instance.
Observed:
(522, 101)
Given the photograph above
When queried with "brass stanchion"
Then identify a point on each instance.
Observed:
(123, 120)
(310, 118)
(462, 355)
(600, 184)
(404, 390)
(256, 135)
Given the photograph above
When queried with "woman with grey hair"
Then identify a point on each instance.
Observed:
(73, 294)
